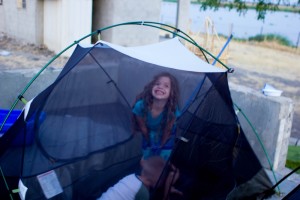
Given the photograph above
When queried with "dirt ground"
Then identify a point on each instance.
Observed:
(254, 64)
(257, 64)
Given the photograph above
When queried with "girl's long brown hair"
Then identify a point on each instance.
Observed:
(170, 108)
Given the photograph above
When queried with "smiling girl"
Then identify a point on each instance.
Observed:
(155, 112)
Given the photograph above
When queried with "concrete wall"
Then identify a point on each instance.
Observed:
(22, 23)
(13, 83)
(272, 119)
(271, 116)
(107, 13)
(66, 21)
(183, 15)
(57, 24)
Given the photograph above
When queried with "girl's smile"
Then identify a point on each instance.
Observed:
(161, 89)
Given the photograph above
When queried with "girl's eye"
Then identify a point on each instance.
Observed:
(166, 85)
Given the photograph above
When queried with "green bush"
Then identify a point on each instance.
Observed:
(271, 38)
(293, 158)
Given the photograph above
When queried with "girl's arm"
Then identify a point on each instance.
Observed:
(167, 133)
(143, 127)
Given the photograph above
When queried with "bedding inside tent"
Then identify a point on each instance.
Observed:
(78, 130)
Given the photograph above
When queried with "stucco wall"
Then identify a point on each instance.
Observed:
(22, 23)
(183, 11)
(57, 24)
(66, 21)
(107, 12)
(2, 21)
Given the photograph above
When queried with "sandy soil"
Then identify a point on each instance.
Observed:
(254, 64)
(22, 55)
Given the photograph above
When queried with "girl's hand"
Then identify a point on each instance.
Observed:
(164, 141)
(171, 180)
(155, 149)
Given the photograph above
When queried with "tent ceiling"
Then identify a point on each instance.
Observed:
(169, 53)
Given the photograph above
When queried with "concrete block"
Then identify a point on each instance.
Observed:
(13, 83)
(270, 124)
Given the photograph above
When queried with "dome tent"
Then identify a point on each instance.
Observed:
(78, 130)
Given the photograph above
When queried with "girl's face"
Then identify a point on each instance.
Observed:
(162, 88)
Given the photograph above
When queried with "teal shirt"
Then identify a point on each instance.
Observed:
(155, 131)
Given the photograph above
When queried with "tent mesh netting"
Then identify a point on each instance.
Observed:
(80, 127)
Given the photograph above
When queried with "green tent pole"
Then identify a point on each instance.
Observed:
(6, 185)
(261, 144)
(144, 23)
